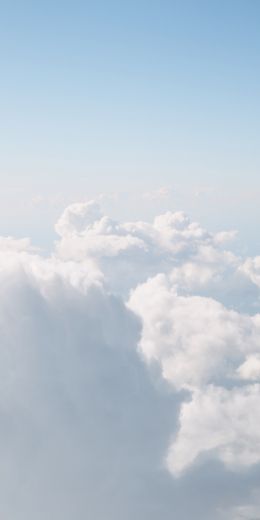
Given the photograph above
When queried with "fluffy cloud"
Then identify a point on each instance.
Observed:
(128, 356)
(208, 350)
(196, 340)
(130, 252)
(221, 423)
(251, 268)
(76, 404)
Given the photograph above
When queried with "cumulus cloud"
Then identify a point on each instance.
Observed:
(11, 244)
(129, 357)
(218, 423)
(250, 369)
(76, 404)
(196, 340)
(251, 268)
(130, 252)
(208, 350)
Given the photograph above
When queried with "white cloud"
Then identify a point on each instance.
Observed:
(218, 423)
(78, 218)
(10, 244)
(251, 268)
(195, 340)
(129, 252)
(159, 194)
(207, 349)
(250, 369)
(76, 403)
(81, 411)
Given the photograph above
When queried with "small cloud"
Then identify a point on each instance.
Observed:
(161, 193)
(203, 190)
(56, 201)
(38, 200)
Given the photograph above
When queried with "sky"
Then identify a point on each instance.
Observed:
(129, 260)
(129, 97)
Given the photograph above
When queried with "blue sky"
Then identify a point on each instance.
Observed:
(130, 96)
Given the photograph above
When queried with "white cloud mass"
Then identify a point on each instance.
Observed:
(130, 367)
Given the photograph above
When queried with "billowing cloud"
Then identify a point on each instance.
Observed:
(218, 423)
(130, 252)
(129, 359)
(77, 406)
(251, 268)
(196, 340)
(208, 350)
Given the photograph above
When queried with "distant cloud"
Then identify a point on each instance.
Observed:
(248, 511)
(160, 194)
(203, 190)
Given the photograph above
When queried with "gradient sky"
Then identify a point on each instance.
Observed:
(128, 97)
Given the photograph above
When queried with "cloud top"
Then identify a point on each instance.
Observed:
(132, 350)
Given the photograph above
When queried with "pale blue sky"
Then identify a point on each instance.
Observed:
(130, 96)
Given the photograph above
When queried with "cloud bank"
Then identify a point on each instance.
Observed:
(130, 369)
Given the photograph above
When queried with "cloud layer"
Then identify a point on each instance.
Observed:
(129, 360)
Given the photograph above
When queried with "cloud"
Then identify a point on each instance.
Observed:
(250, 369)
(204, 190)
(196, 340)
(208, 350)
(130, 252)
(10, 244)
(199, 342)
(218, 423)
(247, 511)
(77, 406)
(160, 194)
(129, 359)
(251, 269)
